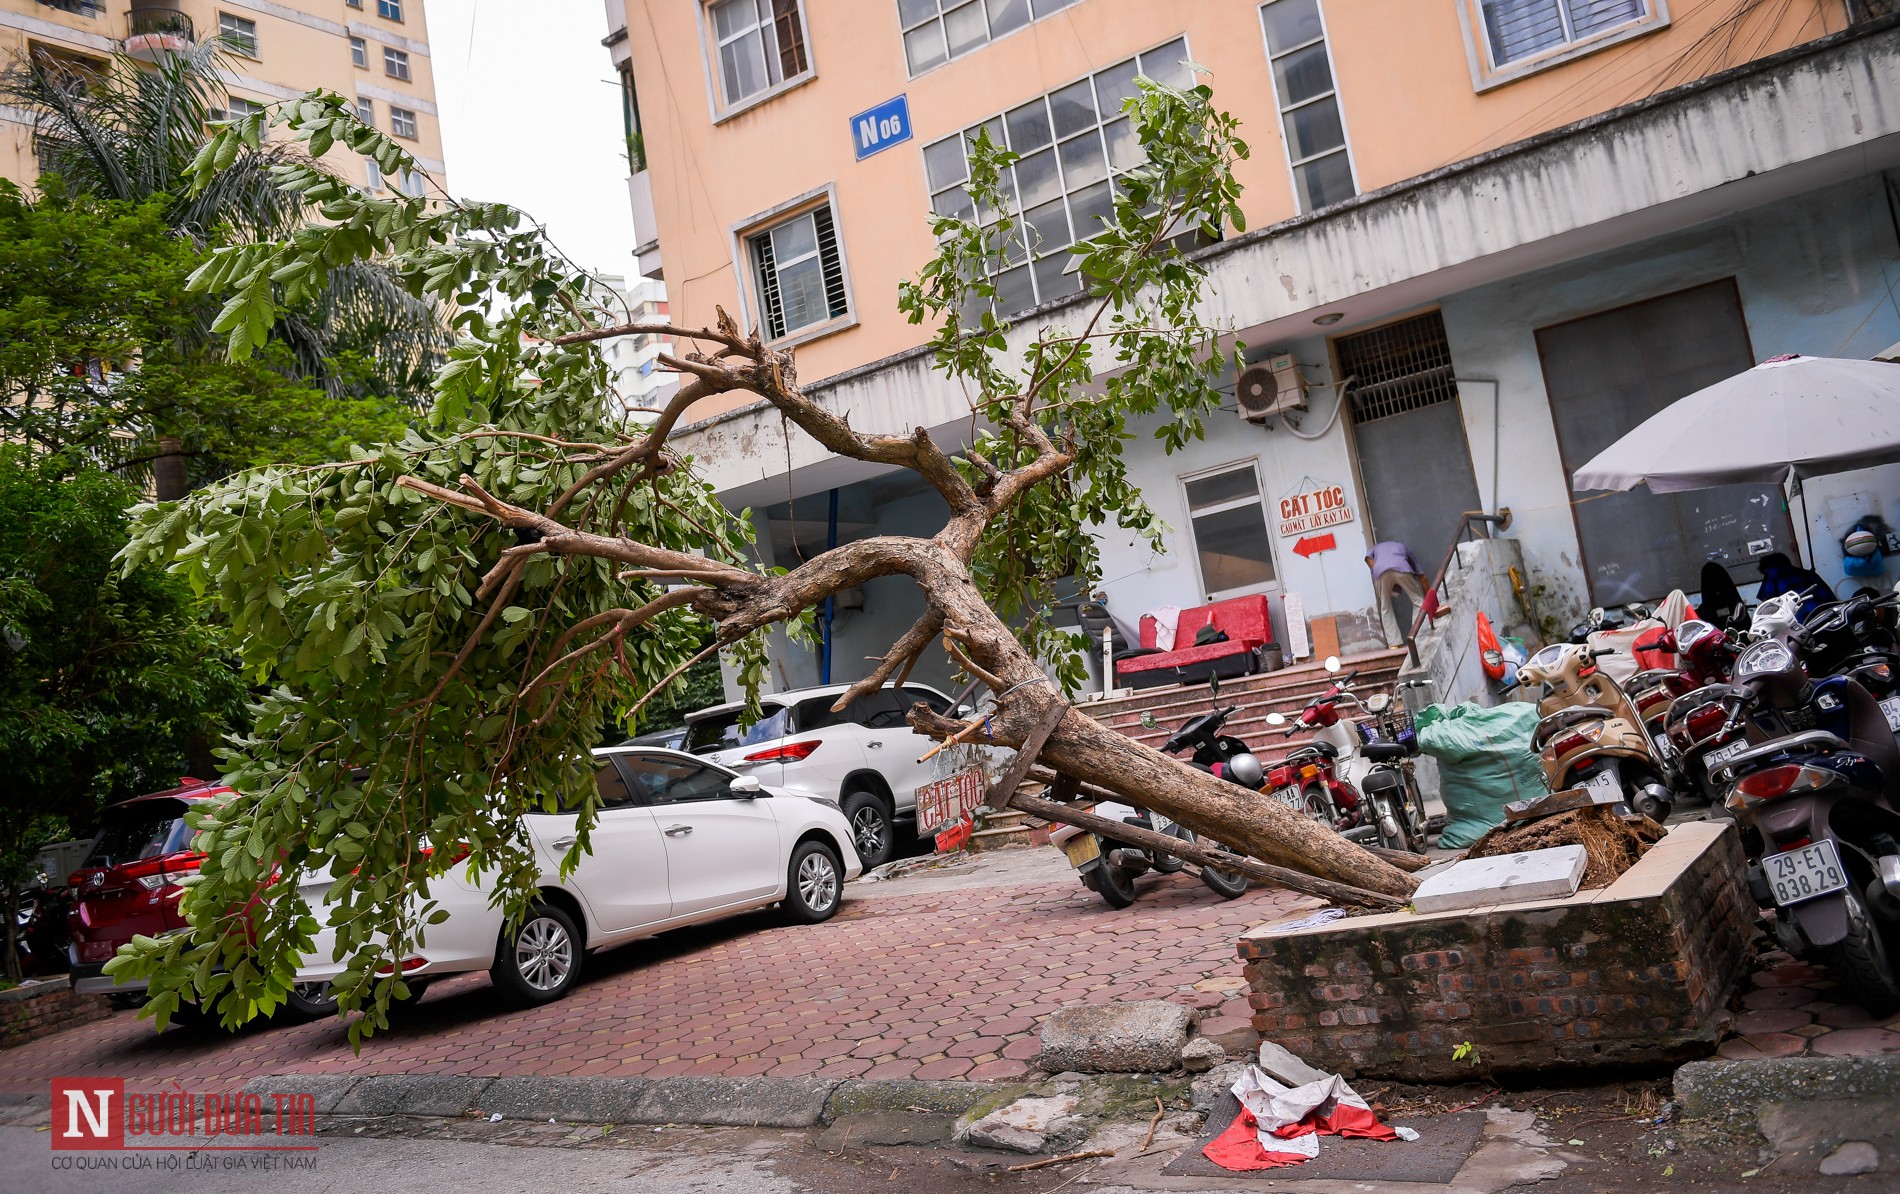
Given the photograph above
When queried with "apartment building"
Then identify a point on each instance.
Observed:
(375, 51)
(1487, 237)
(640, 383)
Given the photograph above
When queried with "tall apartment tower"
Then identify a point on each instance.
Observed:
(375, 51)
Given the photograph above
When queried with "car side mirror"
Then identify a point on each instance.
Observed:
(965, 712)
(746, 787)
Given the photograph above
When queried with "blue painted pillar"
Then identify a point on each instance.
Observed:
(831, 541)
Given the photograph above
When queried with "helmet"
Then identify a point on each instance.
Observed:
(1860, 543)
(1245, 770)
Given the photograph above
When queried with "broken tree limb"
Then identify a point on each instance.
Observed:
(1064, 1159)
(1220, 860)
(1005, 789)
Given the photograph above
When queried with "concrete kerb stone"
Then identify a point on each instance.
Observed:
(1732, 1094)
(736, 1102)
(327, 1090)
(911, 1095)
(436, 1095)
(571, 1100)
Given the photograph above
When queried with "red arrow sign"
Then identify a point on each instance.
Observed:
(1312, 545)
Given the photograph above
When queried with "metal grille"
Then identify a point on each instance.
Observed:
(1399, 367)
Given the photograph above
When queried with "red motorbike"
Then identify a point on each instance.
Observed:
(1308, 780)
(1696, 721)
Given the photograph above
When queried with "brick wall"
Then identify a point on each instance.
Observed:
(42, 1009)
(1636, 972)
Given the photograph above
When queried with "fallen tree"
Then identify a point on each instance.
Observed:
(442, 621)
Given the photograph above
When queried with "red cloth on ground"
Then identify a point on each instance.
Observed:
(1239, 1149)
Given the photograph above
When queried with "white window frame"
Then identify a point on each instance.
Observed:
(239, 40)
(359, 53)
(389, 10)
(1067, 193)
(1332, 69)
(394, 57)
(238, 108)
(397, 115)
(750, 304)
(904, 31)
(365, 110)
(1259, 499)
(1486, 76)
(709, 45)
(373, 173)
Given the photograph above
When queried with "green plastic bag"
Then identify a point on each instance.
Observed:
(1485, 762)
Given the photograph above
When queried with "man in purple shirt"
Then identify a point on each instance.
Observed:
(1395, 573)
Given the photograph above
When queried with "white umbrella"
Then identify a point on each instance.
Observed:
(1785, 419)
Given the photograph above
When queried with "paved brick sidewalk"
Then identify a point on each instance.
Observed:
(1789, 1013)
(937, 984)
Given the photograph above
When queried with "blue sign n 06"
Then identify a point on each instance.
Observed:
(879, 128)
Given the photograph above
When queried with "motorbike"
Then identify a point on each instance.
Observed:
(1109, 868)
(1854, 638)
(1590, 734)
(1815, 790)
(1356, 775)
(40, 930)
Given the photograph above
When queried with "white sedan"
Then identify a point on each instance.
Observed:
(678, 841)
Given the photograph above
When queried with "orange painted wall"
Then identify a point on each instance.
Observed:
(1402, 69)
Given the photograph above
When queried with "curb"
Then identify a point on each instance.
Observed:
(1733, 1094)
(712, 1102)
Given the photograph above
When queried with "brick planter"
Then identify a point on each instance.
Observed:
(42, 1009)
(1636, 972)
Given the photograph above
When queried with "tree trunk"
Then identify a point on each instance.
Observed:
(168, 470)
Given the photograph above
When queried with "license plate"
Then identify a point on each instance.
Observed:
(1723, 754)
(1603, 783)
(1082, 849)
(1891, 707)
(1292, 799)
(1804, 874)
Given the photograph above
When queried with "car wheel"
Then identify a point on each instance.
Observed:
(871, 831)
(813, 883)
(311, 1001)
(540, 960)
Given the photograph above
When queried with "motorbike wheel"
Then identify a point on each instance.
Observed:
(1861, 962)
(1228, 885)
(1402, 840)
(1319, 807)
(1114, 885)
(1168, 864)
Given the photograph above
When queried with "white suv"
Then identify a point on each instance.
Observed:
(865, 758)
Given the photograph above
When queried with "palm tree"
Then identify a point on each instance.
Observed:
(131, 130)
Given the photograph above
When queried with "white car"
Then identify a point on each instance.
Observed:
(865, 758)
(678, 841)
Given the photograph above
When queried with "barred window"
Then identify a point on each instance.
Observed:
(799, 273)
(1399, 367)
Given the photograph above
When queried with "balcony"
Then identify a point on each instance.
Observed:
(646, 230)
(152, 33)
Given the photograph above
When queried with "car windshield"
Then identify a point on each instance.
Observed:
(721, 731)
(145, 829)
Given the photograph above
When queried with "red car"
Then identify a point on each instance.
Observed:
(129, 883)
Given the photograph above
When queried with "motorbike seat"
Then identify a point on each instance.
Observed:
(1563, 719)
(1383, 752)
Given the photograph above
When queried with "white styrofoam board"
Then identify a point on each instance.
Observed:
(1503, 879)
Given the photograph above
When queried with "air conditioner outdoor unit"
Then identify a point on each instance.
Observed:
(1270, 388)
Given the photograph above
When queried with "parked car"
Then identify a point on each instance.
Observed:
(679, 841)
(129, 882)
(865, 758)
(671, 739)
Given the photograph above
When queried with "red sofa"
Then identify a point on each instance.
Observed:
(1247, 626)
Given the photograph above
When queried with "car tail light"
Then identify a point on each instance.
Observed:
(408, 964)
(791, 752)
(1772, 783)
(154, 873)
(456, 855)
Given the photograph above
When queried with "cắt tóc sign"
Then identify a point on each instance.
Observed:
(1313, 506)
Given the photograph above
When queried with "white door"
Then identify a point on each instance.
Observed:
(721, 851)
(622, 878)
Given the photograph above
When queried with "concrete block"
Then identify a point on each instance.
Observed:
(1287, 1068)
(735, 1102)
(1025, 1126)
(1137, 1037)
(1506, 878)
(907, 1094)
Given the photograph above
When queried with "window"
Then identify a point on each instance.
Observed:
(657, 779)
(1073, 143)
(935, 31)
(1397, 368)
(721, 731)
(236, 108)
(1519, 29)
(614, 792)
(390, 10)
(759, 43)
(1309, 104)
(411, 183)
(1230, 530)
(395, 63)
(238, 34)
(366, 111)
(354, 3)
(402, 122)
(373, 173)
(359, 53)
(799, 272)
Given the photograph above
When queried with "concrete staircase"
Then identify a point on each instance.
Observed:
(1285, 692)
